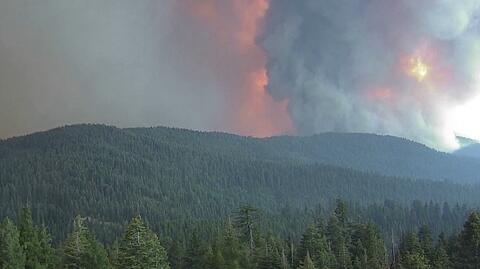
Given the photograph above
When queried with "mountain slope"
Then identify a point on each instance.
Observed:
(385, 155)
(171, 176)
(472, 151)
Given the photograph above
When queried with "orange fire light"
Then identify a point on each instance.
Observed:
(254, 111)
(418, 68)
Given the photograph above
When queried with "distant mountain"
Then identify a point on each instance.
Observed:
(385, 155)
(172, 176)
(472, 150)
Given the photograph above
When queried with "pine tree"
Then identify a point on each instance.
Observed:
(197, 255)
(315, 243)
(81, 250)
(339, 240)
(285, 264)
(47, 258)
(341, 212)
(246, 221)
(307, 263)
(176, 254)
(269, 256)
(96, 256)
(426, 241)
(217, 261)
(233, 252)
(368, 249)
(76, 246)
(412, 255)
(11, 252)
(113, 253)
(440, 258)
(141, 248)
(414, 260)
(35, 242)
(468, 254)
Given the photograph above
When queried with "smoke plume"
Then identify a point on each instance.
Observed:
(184, 63)
(384, 66)
(253, 67)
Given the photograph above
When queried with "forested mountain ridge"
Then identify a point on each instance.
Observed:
(383, 154)
(173, 176)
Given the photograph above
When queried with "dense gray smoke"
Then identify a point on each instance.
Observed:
(104, 61)
(384, 66)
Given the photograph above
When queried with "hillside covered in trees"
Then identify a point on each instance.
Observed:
(328, 243)
(386, 155)
(175, 177)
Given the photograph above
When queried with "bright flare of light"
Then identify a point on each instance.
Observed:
(465, 119)
(418, 68)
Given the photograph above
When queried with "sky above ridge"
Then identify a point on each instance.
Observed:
(253, 67)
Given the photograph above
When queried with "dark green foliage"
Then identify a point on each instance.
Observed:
(468, 248)
(185, 184)
(426, 241)
(141, 248)
(175, 177)
(230, 253)
(114, 254)
(81, 250)
(36, 243)
(386, 155)
(341, 244)
(307, 263)
(412, 255)
(246, 221)
(11, 251)
(177, 254)
(339, 236)
(198, 254)
(440, 258)
(368, 249)
(314, 243)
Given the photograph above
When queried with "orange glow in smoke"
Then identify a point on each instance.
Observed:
(418, 68)
(204, 10)
(380, 94)
(259, 114)
(426, 67)
(235, 25)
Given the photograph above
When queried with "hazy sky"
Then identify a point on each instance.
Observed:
(257, 67)
(106, 61)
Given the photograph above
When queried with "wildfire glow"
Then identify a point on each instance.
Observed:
(379, 94)
(418, 68)
(253, 110)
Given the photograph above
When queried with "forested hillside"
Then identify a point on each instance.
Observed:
(334, 242)
(175, 177)
(386, 155)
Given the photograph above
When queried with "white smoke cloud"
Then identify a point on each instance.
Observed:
(357, 65)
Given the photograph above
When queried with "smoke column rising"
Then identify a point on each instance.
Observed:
(238, 63)
(255, 67)
(183, 63)
(384, 66)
